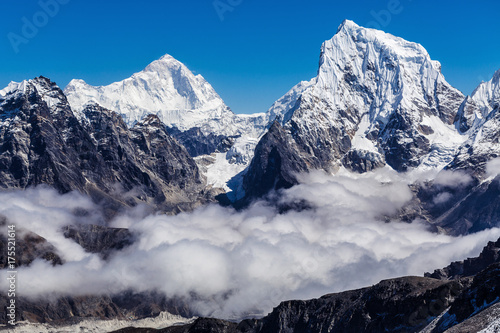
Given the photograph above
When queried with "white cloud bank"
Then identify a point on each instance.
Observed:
(240, 263)
(493, 167)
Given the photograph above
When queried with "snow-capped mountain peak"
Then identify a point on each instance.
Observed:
(394, 67)
(350, 37)
(372, 86)
(377, 100)
(187, 104)
(166, 88)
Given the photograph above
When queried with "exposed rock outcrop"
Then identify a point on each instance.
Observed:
(43, 142)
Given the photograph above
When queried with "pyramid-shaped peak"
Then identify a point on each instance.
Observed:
(165, 62)
(167, 58)
(348, 25)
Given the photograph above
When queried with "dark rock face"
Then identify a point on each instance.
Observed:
(402, 144)
(39, 145)
(470, 208)
(145, 159)
(321, 145)
(398, 305)
(197, 143)
(44, 143)
(465, 115)
(448, 101)
(160, 153)
(363, 161)
(274, 165)
(484, 292)
(63, 309)
(99, 239)
(479, 210)
(477, 322)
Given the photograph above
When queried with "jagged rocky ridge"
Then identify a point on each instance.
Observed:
(94, 152)
(44, 143)
(470, 266)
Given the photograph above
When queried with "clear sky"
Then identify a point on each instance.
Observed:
(251, 51)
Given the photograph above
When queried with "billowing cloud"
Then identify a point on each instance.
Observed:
(239, 263)
(493, 167)
(442, 198)
(452, 179)
(44, 212)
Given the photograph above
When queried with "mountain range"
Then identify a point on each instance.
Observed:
(165, 140)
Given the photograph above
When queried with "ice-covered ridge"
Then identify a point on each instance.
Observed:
(13, 87)
(281, 109)
(395, 45)
(47, 91)
(394, 70)
(487, 95)
(12, 91)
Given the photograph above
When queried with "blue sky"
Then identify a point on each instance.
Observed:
(251, 51)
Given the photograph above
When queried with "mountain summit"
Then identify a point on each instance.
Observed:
(166, 88)
(377, 100)
(380, 91)
(186, 103)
